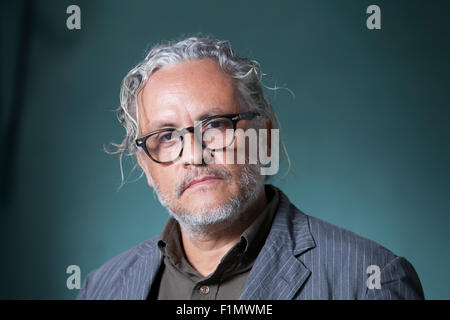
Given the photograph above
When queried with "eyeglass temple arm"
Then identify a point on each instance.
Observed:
(248, 115)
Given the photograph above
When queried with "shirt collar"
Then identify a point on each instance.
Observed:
(257, 232)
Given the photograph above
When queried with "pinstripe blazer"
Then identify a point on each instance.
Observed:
(303, 258)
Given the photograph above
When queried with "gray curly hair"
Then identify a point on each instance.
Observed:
(247, 72)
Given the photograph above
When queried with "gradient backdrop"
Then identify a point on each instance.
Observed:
(367, 132)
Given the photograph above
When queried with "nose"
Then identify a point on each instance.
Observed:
(192, 150)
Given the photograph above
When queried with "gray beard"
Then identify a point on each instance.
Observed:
(206, 220)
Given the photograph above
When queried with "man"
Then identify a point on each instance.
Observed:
(185, 108)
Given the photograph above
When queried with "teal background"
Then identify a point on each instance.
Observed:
(367, 132)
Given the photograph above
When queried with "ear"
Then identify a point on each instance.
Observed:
(143, 164)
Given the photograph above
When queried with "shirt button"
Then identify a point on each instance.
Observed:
(204, 290)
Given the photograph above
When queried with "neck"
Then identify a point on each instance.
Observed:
(204, 251)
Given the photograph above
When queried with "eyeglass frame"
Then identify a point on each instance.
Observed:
(234, 117)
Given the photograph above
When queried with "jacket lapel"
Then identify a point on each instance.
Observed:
(277, 273)
(138, 279)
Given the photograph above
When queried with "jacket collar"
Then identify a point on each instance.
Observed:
(277, 272)
(137, 280)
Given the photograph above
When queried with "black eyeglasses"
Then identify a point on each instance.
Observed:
(217, 133)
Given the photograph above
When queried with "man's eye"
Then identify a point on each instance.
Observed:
(216, 124)
(167, 137)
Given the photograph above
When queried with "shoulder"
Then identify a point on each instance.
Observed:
(324, 238)
(342, 261)
(345, 242)
(352, 260)
(104, 278)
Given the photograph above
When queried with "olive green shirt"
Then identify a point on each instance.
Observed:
(178, 280)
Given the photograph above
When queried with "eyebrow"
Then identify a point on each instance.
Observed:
(165, 123)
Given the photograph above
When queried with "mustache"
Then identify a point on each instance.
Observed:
(217, 172)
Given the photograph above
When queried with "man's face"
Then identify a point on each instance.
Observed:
(177, 96)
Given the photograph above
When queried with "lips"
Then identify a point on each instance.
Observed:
(200, 180)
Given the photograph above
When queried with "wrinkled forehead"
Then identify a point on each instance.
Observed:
(186, 92)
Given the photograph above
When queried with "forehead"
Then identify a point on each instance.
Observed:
(186, 91)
